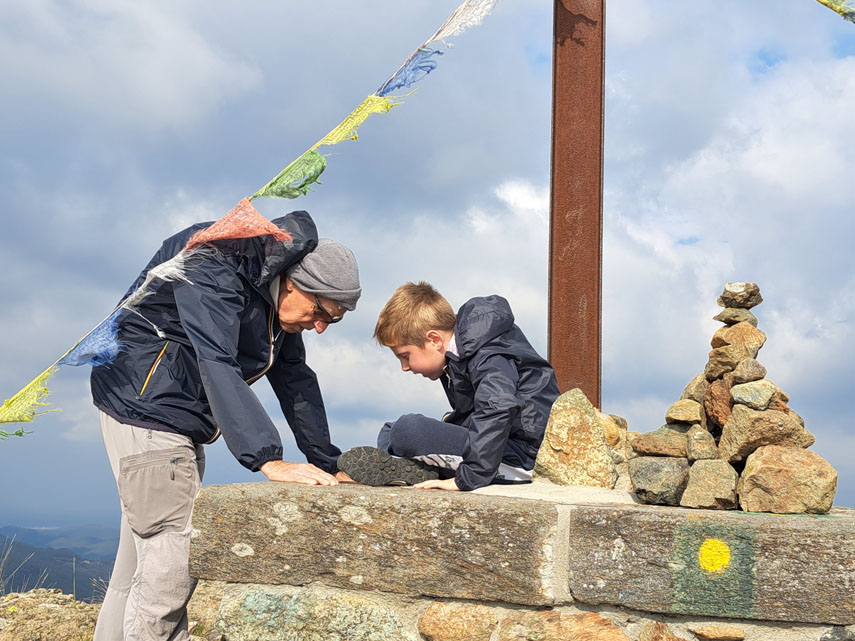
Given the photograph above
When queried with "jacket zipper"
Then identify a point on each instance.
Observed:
(153, 368)
(263, 371)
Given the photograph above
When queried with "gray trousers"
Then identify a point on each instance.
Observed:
(158, 475)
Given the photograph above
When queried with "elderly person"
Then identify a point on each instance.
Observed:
(190, 352)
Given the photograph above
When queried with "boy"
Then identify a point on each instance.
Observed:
(501, 392)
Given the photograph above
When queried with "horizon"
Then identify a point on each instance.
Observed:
(728, 149)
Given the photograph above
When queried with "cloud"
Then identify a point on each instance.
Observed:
(728, 150)
(143, 65)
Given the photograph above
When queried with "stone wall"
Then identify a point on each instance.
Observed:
(546, 562)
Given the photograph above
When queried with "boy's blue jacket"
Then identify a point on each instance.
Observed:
(221, 334)
(499, 388)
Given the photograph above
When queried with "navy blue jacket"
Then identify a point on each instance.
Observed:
(499, 388)
(221, 334)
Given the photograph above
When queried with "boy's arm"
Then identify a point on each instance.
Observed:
(497, 405)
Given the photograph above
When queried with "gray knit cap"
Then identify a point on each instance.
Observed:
(329, 271)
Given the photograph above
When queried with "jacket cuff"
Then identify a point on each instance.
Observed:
(269, 453)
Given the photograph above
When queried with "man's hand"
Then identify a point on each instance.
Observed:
(305, 473)
(448, 484)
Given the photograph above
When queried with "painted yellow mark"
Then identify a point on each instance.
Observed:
(714, 556)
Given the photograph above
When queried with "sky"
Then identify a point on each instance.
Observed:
(728, 157)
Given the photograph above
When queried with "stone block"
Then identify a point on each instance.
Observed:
(742, 295)
(458, 622)
(574, 449)
(271, 613)
(718, 403)
(787, 480)
(611, 430)
(746, 371)
(700, 444)
(659, 480)
(757, 394)
(696, 389)
(556, 626)
(733, 315)
(712, 485)
(715, 563)
(442, 544)
(713, 632)
(748, 429)
(658, 631)
(668, 440)
(722, 360)
(686, 411)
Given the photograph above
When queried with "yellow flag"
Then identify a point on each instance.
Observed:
(22, 407)
(346, 130)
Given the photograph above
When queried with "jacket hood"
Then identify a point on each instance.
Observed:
(479, 321)
(265, 257)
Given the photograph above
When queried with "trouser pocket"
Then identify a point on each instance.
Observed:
(157, 489)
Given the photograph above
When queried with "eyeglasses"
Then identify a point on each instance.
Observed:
(320, 310)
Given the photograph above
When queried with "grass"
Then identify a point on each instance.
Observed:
(7, 574)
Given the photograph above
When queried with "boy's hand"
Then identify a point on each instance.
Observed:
(448, 484)
(342, 477)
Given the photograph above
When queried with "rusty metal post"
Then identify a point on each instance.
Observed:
(576, 207)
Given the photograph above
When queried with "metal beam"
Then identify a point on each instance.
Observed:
(576, 207)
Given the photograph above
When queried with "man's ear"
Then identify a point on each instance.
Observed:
(285, 285)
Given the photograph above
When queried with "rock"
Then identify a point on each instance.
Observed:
(658, 631)
(45, 615)
(204, 607)
(659, 480)
(700, 444)
(718, 403)
(741, 295)
(611, 430)
(686, 411)
(787, 480)
(757, 395)
(439, 544)
(620, 420)
(839, 633)
(746, 371)
(778, 405)
(668, 440)
(270, 613)
(723, 360)
(749, 429)
(554, 626)
(712, 485)
(574, 449)
(734, 315)
(718, 633)
(628, 452)
(742, 335)
(458, 622)
(697, 388)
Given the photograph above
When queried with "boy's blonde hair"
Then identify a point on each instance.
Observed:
(413, 310)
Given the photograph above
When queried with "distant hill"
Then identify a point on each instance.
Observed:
(95, 542)
(24, 567)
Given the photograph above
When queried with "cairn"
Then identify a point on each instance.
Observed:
(732, 441)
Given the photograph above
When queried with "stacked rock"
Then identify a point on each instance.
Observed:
(731, 440)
